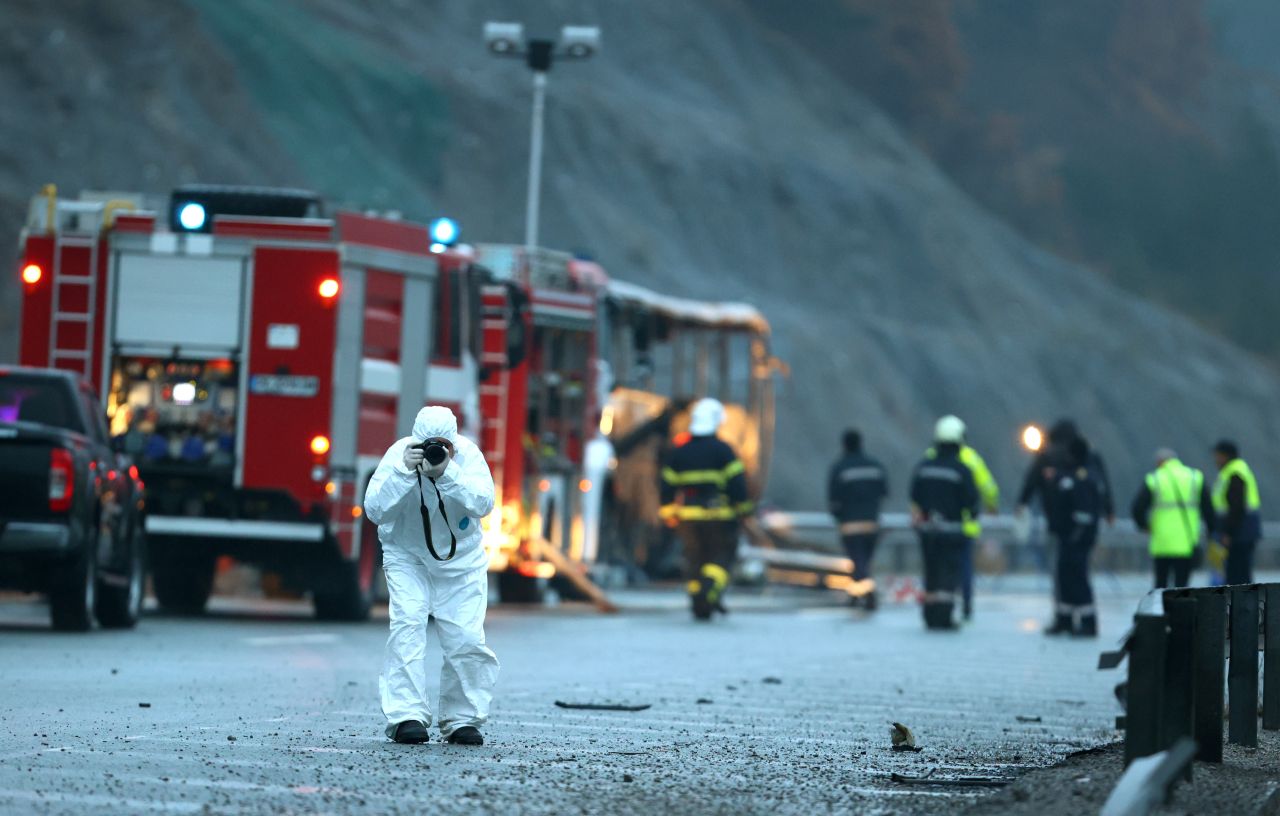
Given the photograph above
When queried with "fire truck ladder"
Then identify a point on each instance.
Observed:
(77, 356)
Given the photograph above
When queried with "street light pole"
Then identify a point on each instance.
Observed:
(508, 40)
(535, 162)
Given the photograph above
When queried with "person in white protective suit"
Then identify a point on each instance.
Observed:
(423, 580)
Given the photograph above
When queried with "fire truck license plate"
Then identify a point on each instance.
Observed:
(284, 385)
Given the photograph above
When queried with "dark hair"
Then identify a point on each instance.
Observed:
(1078, 451)
(1063, 431)
(852, 441)
(1227, 448)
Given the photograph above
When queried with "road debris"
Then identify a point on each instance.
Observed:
(773, 681)
(903, 739)
(603, 706)
(1025, 719)
(963, 781)
(144, 705)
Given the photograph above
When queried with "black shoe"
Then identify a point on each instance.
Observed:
(701, 609)
(719, 606)
(1061, 626)
(1088, 627)
(466, 735)
(870, 602)
(411, 732)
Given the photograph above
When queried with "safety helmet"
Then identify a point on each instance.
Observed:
(706, 417)
(949, 429)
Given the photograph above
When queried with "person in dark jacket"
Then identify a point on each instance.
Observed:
(1073, 518)
(1237, 507)
(704, 491)
(943, 496)
(1042, 476)
(856, 487)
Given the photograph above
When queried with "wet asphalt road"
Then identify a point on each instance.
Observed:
(781, 708)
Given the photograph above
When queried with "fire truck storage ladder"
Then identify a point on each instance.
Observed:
(499, 392)
(77, 354)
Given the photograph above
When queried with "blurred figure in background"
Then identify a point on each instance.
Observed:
(704, 489)
(1237, 507)
(1073, 518)
(856, 487)
(943, 496)
(952, 427)
(1171, 506)
(1042, 476)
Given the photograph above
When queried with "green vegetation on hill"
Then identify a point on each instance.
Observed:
(361, 125)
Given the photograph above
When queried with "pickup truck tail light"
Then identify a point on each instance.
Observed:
(62, 480)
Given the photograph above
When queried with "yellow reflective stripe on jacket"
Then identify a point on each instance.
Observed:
(719, 478)
(689, 512)
(1236, 467)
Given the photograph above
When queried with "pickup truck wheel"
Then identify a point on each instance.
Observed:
(183, 578)
(73, 593)
(120, 604)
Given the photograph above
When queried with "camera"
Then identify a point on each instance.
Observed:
(433, 452)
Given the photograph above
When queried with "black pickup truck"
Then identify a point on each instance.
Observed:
(71, 508)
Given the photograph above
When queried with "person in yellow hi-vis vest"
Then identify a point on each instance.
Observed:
(704, 491)
(952, 428)
(1237, 506)
(1171, 506)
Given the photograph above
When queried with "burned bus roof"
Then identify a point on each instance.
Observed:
(683, 310)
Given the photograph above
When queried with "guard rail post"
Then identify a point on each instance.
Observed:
(1145, 704)
(1209, 653)
(1242, 676)
(1271, 658)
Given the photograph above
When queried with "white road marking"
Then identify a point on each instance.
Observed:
(292, 640)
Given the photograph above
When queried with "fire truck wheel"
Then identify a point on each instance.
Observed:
(342, 595)
(182, 576)
(74, 590)
(120, 604)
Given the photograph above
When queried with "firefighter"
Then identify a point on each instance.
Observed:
(988, 490)
(943, 495)
(1171, 506)
(1073, 522)
(422, 509)
(856, 487)
(1237, 507)
(704, 492)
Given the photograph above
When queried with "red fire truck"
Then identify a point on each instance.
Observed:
(257, 357)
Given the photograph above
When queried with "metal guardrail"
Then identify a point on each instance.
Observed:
(1177, 649)
(808, 540)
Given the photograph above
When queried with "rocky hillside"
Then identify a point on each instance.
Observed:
(701, 152)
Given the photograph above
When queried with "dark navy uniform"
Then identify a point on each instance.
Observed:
(856, 487)
(943, 496)
(1076, 505)
(704, 491)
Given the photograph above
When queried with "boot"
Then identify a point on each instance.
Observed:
(1061, 625)
(1088, 626)
(870, 601)
(466, 735)
(411, 732)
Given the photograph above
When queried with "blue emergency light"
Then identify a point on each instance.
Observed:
(444, 231)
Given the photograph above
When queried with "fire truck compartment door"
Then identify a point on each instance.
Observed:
(171, 300)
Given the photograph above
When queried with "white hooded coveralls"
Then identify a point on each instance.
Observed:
(454, 592)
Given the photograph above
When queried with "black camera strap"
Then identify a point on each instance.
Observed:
(426, 520)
